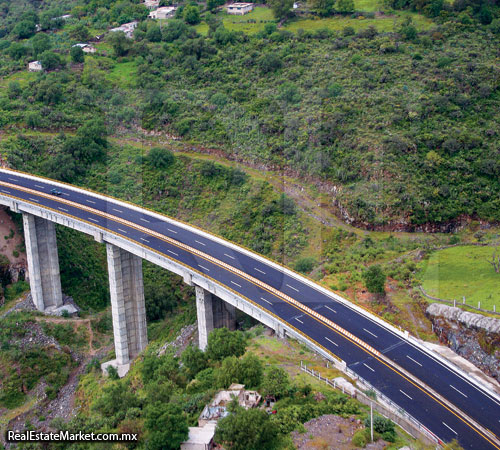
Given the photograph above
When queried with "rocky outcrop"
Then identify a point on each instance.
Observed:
(470, 320)
(472, 336)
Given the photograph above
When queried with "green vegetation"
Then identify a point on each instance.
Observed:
(462, 271)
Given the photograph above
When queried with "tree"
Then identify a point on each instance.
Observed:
(345, 6)
(51, 60)
(229, 372)
(17, 50)
(79, 32)
(270, 62)
(276, 382)
(153, 34)
(322, 7)
(383, 426)
(223, 343)
(305, 264)
(119, 42)
(115, 401)
(374, 278)
(40, 43)
(77, 55)
(250, 371)
(191, 14)
(495, 261)
(167, 426)
(194, 360)
(281, 8)
(24, 29)
(160, 157)
(246, 430)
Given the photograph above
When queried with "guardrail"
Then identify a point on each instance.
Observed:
(391, 411)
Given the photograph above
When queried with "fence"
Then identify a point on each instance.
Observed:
(455, 303)
(391, 411)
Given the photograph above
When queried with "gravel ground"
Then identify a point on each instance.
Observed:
(331, 432)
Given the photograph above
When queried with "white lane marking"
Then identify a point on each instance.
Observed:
(90, 201)
(123, 231)
(258, 270)
(34, 199)
(449, 428)
(173, 253)
(291, 287)
(416, 362)
(334, 343)
(204, 268)
(93, 220)
(404, 393)
(64, 193)
(11, 179)
(298, 320)
(366, 365)
(368, 331)
(3, 190)
(460, 392)
(229, 256)
(262, 298)
(327, 307)
(173, 231)
(38, 186)
(145, 220)
(62, 209)
(201, 243)
(117, 210)
(236, 284)
(145, 240)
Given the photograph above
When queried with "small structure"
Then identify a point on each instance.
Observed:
(165, 12)
(345, 386)
(127, 28)
(87, 48)
(239, 9)
(200, 438)
(151, 4)
(217, 409)
(35, 66)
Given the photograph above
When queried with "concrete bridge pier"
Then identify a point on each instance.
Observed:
(43, 262)
(212, 312)
(127, 307)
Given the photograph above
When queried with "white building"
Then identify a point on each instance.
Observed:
(151, 4)
(35, 66)
(239, 8)
(200, 438)
(87, 48)
(165, 12)
(127, 28)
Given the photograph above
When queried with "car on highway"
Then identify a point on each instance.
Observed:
(55, 191)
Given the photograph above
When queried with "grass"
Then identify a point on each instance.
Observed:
(123, 73)
(462, 271)
(263, 15)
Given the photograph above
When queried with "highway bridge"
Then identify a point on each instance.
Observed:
(448, 403)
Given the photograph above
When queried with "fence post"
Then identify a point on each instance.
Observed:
(479, 305)
(463, 299)
(454, 303)
(494, 308)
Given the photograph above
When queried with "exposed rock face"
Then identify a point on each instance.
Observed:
(470, 320)
(472, 336)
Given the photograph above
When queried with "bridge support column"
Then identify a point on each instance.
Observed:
(127, 307)
(43, 262)
(212, 313)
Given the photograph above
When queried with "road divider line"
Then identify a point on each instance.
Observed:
(459, 391)
(34, 199)
(3, 190)
(123, 231)
(291, 287)
(62, 209)
(236, 284)
(334, 343)
(90, 201)
(93, 220)
(38, 186)
(201, 243)
(173, 253)
(145, 240)
(416, 362)
(327, 307)
(172, 231)
(267, 301)
(368, 331)
(261, 271)
(204, 268)
(229, 256)
(404, 393)
(145, 220)
(298, 320)
(449, 428)
(366, 365)
(117, 210)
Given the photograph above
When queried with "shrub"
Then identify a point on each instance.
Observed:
(160, 157)
(305, 265)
